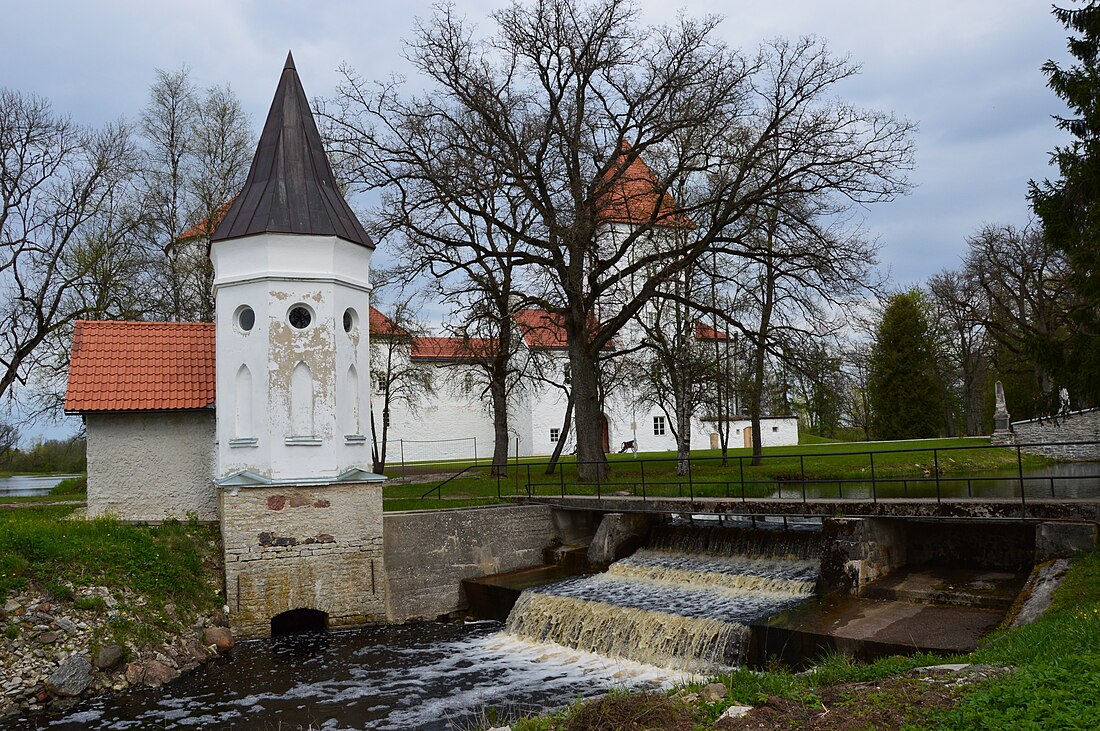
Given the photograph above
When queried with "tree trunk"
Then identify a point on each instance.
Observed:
(683, 427)
(591, 461)
(755, 406)
(561, 436)
(497, 389)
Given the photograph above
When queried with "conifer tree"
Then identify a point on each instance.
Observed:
(1070, 206)
(906, 400)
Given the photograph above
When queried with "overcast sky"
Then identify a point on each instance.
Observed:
(966, 71)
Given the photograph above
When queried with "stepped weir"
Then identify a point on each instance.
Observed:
(685, 601)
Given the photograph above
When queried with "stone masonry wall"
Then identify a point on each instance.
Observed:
(1075, 427)
(315, 547)
(429, 553)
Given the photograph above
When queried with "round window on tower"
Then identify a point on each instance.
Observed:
(246, 318)
(351, 321)
(299, 317)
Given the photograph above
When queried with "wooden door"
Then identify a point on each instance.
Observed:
(748, 436)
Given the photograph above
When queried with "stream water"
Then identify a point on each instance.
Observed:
(678, 607)
(21, 485)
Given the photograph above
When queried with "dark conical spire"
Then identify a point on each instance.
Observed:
(290, 186)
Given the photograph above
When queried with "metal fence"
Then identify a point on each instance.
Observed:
(940, 473)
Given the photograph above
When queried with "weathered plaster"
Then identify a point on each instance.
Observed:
(149, 466)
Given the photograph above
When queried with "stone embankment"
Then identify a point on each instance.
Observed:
(52, 654)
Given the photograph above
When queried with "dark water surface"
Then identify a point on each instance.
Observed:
(416, 676)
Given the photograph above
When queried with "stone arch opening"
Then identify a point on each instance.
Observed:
(298, 621)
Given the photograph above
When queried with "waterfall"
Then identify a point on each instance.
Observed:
(685, 602)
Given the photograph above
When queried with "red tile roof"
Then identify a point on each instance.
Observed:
(632, 194)
(451, 349)
(704, 331)
(141, 366)
(206, 226)
(541, 329)
(382, 325)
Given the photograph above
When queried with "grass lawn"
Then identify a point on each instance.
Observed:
(912, 464)
(173, 563)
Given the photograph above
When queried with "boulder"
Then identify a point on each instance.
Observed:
(220, 637)
(713, 692)
(71, 678)
(157, 673)
(619, 535)
(108, 657)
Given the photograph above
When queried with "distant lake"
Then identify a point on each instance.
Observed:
(30, 484)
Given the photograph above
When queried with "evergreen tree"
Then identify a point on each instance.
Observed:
(1070, 206)
(906, 398)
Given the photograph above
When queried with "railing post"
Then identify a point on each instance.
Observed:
(1020, 473)
(599, 495)
(401, 443)
(1052, 486)
(936, 467)
(498, 484)
(691, 482)
(642, 463)
(874, 484)
(561, 479)
(802, 469)
(529, 479)
(741, 467)
(475, 451)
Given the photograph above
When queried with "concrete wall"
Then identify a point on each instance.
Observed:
(429, 553)
(1077, 426)
(149, 466)
(314, 547)
(857, 551)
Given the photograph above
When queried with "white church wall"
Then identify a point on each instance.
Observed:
(150, 466)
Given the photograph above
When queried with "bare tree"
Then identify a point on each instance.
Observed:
(196, 154)
(957, 301)
(394, 376)
(561, 102)
(9, 440)
(1025, 299)
(59, 185)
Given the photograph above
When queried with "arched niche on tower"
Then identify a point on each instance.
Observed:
(351, 404)
(301, 401)
(242, 417)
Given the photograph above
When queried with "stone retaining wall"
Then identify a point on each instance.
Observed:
(1075, 427)
(317, 547)
(428, 553)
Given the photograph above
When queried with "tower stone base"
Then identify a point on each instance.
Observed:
(303, 547)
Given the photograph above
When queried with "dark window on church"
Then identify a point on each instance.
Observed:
(246, 318)
(299, 317)
(351, 320)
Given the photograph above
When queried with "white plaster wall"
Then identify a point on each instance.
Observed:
(444, 425)
(271, 273)
(149, 466)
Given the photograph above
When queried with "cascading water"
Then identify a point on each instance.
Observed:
(683, 603)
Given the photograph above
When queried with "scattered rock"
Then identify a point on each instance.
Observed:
(196, 650)
(156, 673)
(71, 678)
(220, 637)
(713, 692)
(66, 625)
(11, 605)
(48, 638)
(956, 667)
(108, 657)
(735, 712)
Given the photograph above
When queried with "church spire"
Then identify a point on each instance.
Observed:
(290, 186)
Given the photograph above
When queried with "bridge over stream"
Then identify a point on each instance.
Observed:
(1075, 509)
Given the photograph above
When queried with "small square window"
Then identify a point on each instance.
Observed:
(775, 428)
(658, 426)
(555, 434)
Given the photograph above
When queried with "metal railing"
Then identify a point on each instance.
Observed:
(866, 475)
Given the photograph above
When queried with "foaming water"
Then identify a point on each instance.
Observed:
(430, 676)
(685, 604)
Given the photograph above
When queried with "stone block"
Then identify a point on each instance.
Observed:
(1063, 540)
(619, 535)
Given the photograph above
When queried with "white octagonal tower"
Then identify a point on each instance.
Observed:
(291, 287)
